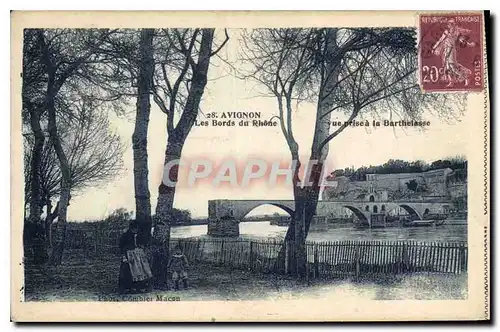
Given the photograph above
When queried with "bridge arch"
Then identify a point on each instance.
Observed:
(358, 213)
(285, 208)
(411, 211)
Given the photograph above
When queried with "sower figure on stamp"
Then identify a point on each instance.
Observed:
(135, 272)
(446, 48)
(178, 264)
(159, 257)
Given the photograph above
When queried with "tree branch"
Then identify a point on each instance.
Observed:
(221, 45)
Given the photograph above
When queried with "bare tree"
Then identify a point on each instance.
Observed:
(71, 66)
(353, 71)
(95, 155)
(32, 110)
(182, 62)
(179, 82)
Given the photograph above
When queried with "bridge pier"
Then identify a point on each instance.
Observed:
(223, 227)
(221, 219)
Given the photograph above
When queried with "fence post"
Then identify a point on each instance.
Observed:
(198, 254)
(316, 267)
(308, 272)
(463, 259)
(405, 258)
(250, 257)
(287, 249)
(356, 258)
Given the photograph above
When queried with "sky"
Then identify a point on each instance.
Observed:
(354, 147)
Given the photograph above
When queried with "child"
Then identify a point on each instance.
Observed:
(178, 263)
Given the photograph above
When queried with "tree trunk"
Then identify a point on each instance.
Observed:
(50, 219)
(306, 198)
(60, 237)
(306, 201)
(177, 136)
(58, 249)
(300, 238)
(295, 237)
(36, 160)
(48, 223)
(65, 191)
(39, 251)
(140, 136)
(166, 193)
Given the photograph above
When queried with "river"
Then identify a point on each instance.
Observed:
(456, 231)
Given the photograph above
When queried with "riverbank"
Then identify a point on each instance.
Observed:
(81, 279)
(339, 232)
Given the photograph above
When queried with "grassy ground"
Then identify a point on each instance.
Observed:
(83, 279)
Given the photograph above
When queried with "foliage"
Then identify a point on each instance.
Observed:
(401, 166)
(119, 215)
(67, 75)
(178, 55)
(412, 185)
(460, 203)
(95, 155)
(87, 76)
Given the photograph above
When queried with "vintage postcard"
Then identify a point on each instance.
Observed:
(250, 166)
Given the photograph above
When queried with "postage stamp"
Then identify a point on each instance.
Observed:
(451, 52)
(271, 166)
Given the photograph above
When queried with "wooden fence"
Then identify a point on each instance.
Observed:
(330, 259)
(324, 259)
(93, 239)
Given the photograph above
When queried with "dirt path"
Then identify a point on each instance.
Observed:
(94, 280)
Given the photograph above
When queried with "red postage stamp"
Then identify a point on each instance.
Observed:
(450, 52)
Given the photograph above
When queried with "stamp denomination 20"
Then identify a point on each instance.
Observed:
(450, 52)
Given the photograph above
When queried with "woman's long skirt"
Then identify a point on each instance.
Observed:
(135, 274)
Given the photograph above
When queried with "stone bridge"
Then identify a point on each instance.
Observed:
(228, 213)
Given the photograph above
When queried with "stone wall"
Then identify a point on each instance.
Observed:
(434, 182)
(458, 195)
(383, 187)
(457, 189)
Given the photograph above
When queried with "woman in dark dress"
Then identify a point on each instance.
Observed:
(135, 273)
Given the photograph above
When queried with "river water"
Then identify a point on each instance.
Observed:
(449, 232)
